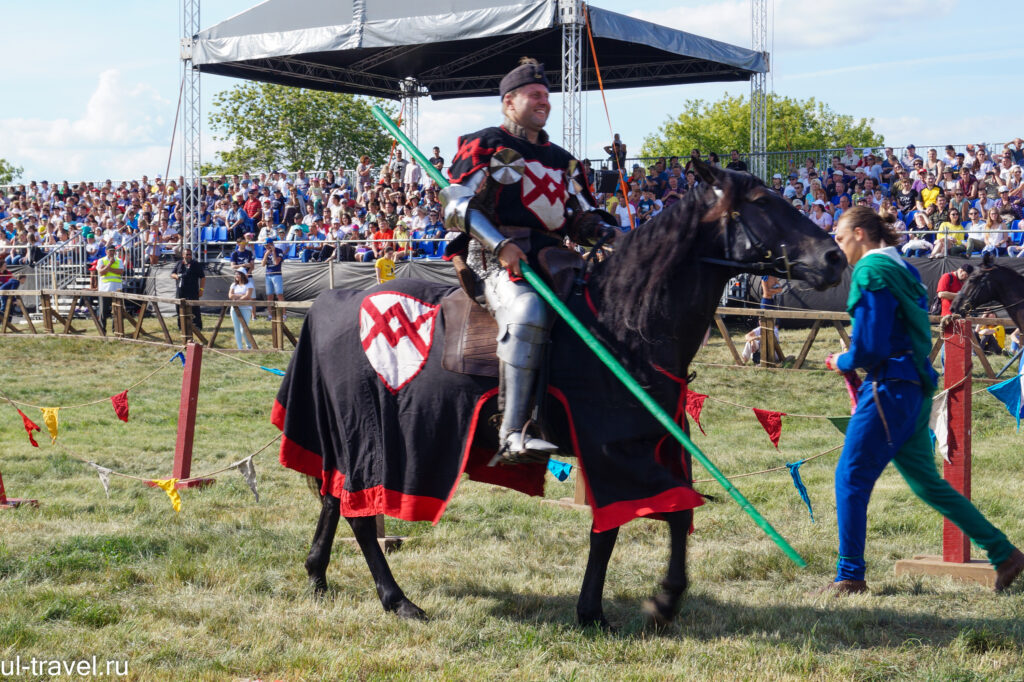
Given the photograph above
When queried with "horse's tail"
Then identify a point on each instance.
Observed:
(314, 485)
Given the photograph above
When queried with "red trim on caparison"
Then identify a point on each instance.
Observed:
(292, 455)
(613, 515)
(380, 500)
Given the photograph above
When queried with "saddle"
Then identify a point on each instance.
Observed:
(471, 334)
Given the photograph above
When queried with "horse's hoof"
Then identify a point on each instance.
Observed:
(599, 623)
(319, 586)
(406, 609)
(658, 613)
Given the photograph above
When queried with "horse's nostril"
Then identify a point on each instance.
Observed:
(832, 257)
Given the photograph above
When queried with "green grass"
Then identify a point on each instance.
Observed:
(219, 592)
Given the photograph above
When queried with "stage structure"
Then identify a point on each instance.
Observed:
(407, 49)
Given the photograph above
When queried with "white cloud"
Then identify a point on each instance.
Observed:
(122, 131)
(798, 24)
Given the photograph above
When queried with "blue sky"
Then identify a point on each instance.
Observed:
(90, 89)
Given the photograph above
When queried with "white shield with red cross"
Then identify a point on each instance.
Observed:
(396, 332)
(544, 193)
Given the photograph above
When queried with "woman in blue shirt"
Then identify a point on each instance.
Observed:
(891, 340)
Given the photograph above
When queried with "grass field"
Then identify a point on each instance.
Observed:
(219, 592)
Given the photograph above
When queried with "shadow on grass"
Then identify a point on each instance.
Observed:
(820, 625)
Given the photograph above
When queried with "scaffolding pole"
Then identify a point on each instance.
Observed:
(570, 14)
(758, 94)
(411, 108)
(191, 129)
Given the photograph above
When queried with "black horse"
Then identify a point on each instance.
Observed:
(382, 442)
(990, 283)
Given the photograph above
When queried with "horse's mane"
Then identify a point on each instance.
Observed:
(633, 282)
(646, 286)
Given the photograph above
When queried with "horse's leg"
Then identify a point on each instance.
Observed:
(391, 596)
(323, 541)
(589, 610)
(661, 609)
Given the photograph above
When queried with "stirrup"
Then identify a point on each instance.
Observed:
(518, 448)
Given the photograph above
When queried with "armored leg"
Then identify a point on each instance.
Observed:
(524, 321)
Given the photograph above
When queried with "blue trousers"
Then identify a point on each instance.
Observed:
(869, 448)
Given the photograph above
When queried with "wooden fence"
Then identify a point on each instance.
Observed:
(129, 313)
(772, 355)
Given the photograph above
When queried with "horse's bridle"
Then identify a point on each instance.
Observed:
(768, 264)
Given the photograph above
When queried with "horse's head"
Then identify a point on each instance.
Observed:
(761, 232)
(982, 286)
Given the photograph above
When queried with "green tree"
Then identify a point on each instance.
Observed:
(9, 172)
(273, 126)
(792, 124)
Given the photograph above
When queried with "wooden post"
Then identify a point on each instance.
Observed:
(10, 502)
(956, 546)
(187, 419)
(955, 561)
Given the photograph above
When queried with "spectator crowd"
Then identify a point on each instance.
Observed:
(956, 203)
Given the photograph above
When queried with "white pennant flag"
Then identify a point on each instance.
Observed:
(104, 474)
(248, 471)
(938, 422)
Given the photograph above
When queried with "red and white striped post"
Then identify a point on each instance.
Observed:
(956, 547)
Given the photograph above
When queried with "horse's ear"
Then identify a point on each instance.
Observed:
(987, 260)
(705, 173)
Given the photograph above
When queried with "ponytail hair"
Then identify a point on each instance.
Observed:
(876, 229)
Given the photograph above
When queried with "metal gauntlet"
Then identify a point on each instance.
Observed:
(459, 216)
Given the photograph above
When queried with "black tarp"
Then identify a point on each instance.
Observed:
(450, 48)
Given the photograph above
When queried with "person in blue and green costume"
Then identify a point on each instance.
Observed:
(891, 340)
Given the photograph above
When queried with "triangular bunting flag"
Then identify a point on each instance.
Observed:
(772, 423)
(559, 470)
(248, 471)
(50, 419)
(120, 403)
(694, 405)
(104, 474)
(30, 426)
(938, 422)
(1009, 394)
(168, 486)
(178, 356)
(794, 471)
(278, 372)
(840, 423)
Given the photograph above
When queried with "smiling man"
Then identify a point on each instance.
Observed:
(514, 195)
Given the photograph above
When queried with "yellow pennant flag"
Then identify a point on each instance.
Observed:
(50, 419)
(167, 485)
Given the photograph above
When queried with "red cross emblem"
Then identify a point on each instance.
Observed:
(544, 194)
(396, 331)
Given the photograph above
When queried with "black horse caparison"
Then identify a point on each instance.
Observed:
(989, 283)
(654, 298)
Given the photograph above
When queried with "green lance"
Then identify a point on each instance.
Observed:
(609, 360)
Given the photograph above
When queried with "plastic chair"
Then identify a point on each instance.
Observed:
(206, 234)
(258, 251)
(221, 233)
(292, 251)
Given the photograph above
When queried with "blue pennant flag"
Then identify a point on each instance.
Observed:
(794, 471)
(1009, 394)
(178, 356)
(559, 470)
(278, 372)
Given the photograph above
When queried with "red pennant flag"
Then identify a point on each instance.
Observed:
(30, 426)
(120, 403)
(772, 423)
(694, 404)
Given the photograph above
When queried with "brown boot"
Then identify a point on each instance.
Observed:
(1008, 571)
(841, 588)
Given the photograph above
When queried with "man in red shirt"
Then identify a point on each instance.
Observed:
(950, 283)
(252, 206)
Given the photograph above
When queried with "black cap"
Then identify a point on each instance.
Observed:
(967, 267)
(524, 74)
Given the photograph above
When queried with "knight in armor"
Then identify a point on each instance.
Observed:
(515, 196)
